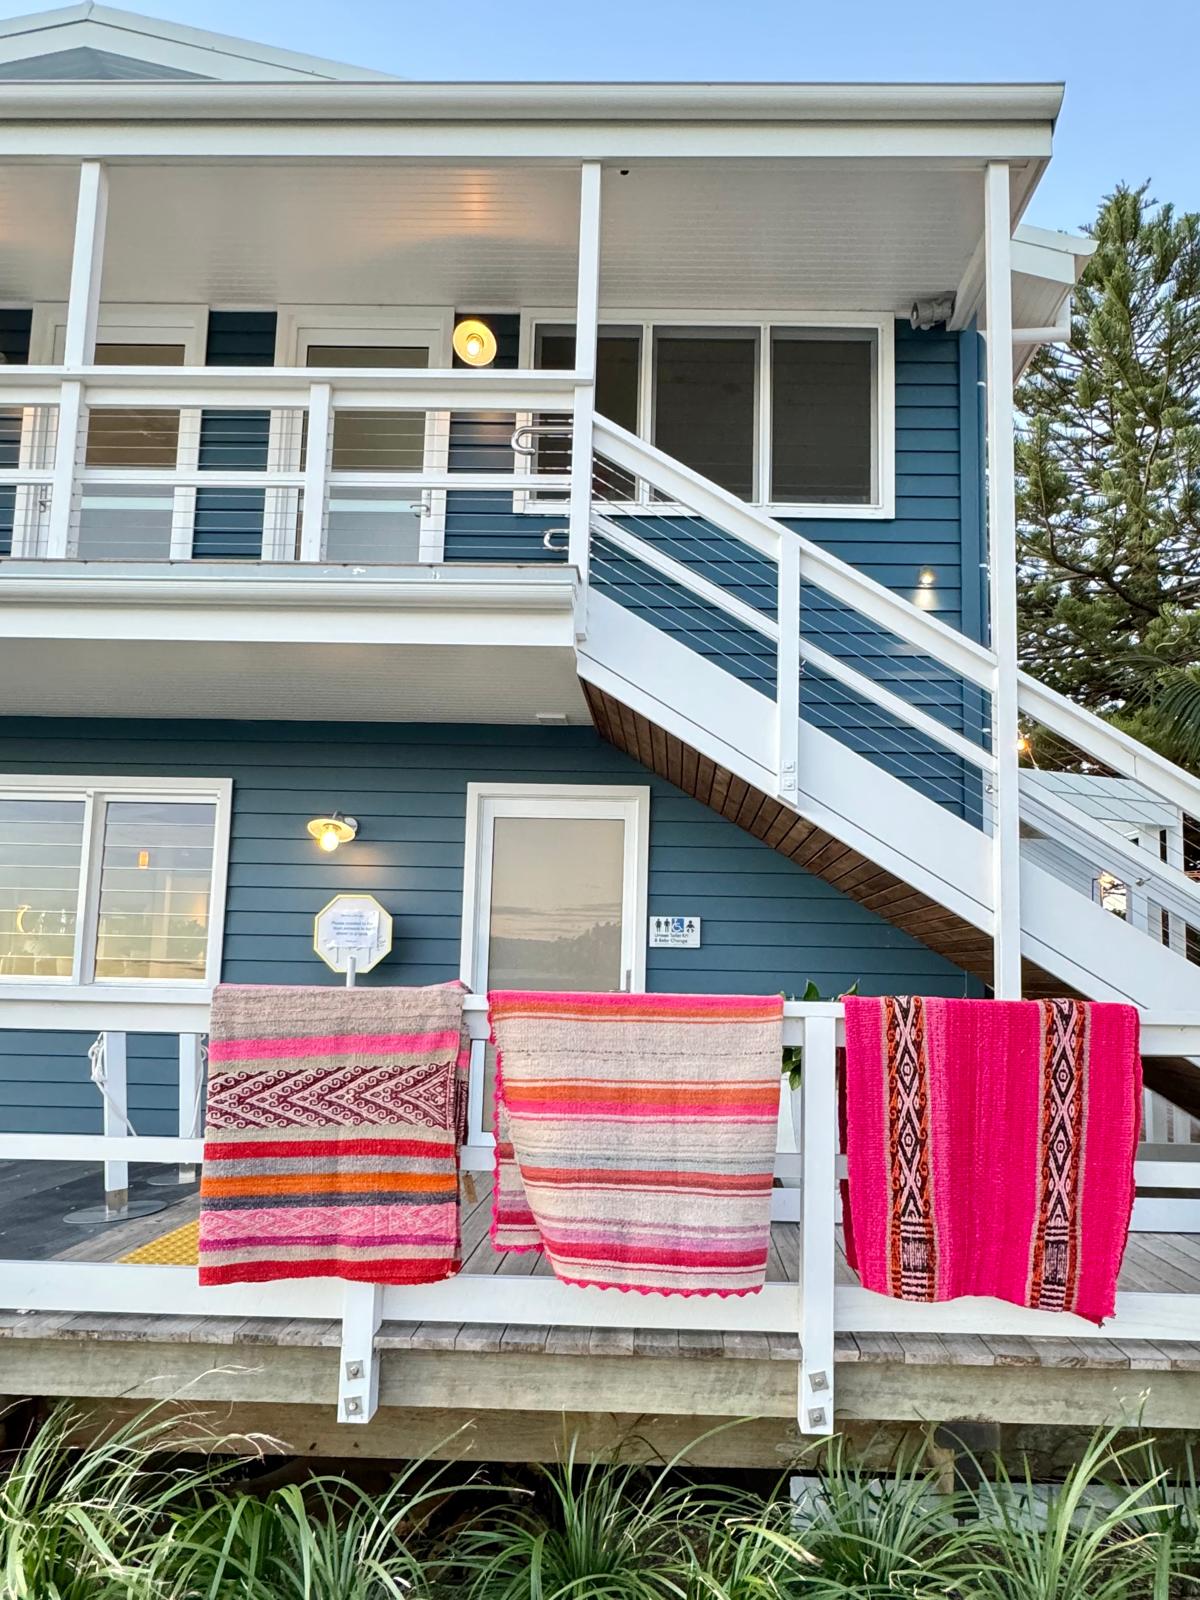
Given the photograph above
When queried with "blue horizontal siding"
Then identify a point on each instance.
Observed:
(229, 522)
(767, 924)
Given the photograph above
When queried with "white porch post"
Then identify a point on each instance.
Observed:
(818, 1193)
(79, 349)
(1002, 560)
(587, 320)
(787, 668)
(190, 1122)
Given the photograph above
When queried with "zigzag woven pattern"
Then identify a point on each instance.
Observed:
(333, 1126)
(635, 1137)
(990, 1147)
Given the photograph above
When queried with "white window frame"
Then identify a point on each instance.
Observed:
(93, 792)
(649, 320)
(298, 326)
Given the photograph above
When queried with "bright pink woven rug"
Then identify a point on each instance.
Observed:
(635, 1137)
(990, 1148)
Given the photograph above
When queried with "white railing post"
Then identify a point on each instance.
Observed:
(818, 1177)
(316, 471)
(114, 1095)
(358, 1374)
(787, 667)
(587, 324)
(68, 458)
(191, 1095)
(1002, 566)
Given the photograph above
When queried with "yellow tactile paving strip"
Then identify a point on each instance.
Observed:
(179, 1248)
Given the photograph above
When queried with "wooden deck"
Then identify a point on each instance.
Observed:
(511, 1387)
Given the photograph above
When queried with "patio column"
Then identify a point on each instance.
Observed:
(1002, 569)
(587, 318)
(79, 347)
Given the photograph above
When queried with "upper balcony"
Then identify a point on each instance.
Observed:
(243, 471)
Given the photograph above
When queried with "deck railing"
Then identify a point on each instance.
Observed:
(815, 1308)
(338, 466)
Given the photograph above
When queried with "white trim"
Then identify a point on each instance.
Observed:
(94, 792)
(300, 325)
(646, 320)
(124, 323)
(628, 802)
(166, 44)
(1002, 574)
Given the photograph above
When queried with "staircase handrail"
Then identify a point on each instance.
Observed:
(763, 534)
(1100, 739)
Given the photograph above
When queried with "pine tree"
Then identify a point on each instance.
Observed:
(1108, 480)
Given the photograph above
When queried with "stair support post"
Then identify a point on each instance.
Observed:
(787, 668)
(1002, 570)
(587, 325)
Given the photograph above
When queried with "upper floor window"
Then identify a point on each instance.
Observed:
(120, 882)
(796, 416)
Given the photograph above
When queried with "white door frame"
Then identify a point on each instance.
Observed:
(487, 801)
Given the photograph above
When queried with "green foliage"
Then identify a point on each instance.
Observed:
(1076, 1543)
(119, 1520)
(876, 1535)
(86, 1524)
(1108, 471)
(793, 1054)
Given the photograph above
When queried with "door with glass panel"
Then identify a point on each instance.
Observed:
(372, 515)
(559, 890)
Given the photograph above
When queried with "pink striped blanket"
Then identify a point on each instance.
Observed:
(635, 1137)
(333, 1126)
(990, 1148)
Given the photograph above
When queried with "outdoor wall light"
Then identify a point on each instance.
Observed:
(927, 577)
(474, 342)
(331, 831)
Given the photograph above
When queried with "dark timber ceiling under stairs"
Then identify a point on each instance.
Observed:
(854, 874)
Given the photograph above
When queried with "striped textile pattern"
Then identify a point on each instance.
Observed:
(990, 1148)
(635, 1137)
(334, 1120)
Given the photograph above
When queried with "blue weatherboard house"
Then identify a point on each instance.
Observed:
(579, 518)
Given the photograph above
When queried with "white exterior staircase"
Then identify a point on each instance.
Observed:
(1107, 912)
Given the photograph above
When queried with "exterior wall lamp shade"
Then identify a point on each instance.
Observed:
(333, 830)
(474, 342)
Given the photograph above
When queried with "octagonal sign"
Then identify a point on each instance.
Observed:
(352, 927)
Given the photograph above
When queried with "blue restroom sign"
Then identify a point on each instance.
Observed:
(674, 933)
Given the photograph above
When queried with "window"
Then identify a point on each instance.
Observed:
(794, 415)
(704, 403)
(822, 410)
(117, 883)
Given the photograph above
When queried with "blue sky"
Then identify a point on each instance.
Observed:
(1130, 68)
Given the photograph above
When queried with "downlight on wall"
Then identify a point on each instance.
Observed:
(474, 342)
(333, 830)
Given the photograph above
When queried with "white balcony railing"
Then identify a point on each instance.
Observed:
(274, 465)
(816, 1308)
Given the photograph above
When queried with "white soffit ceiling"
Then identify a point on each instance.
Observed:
(834, 235)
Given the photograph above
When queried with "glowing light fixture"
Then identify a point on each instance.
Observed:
(143, 859)
(474, 342)
(1023, 745)
(331, 831)
(927, 577)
